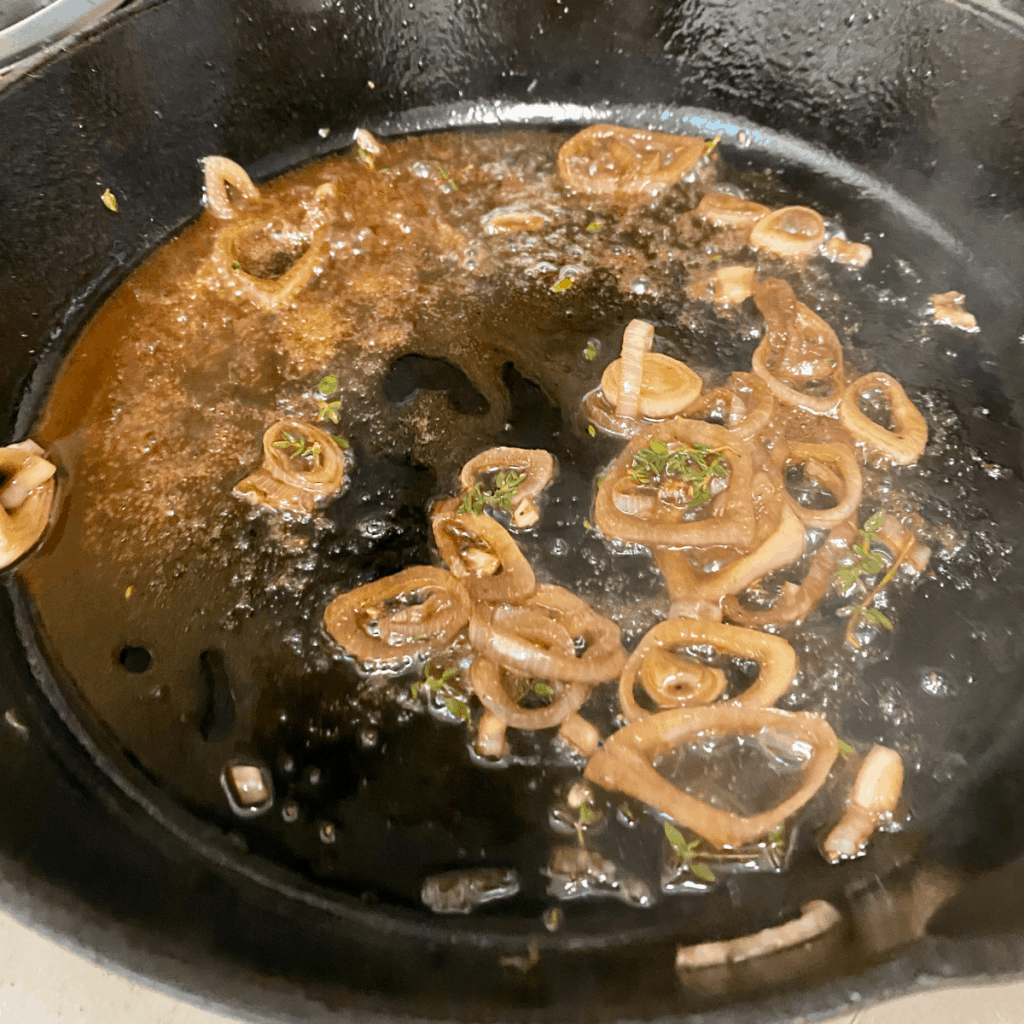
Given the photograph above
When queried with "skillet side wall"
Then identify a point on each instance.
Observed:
(929, 97)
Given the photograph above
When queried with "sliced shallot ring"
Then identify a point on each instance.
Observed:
(218, 172)
(797, 602)
(793, 232)
(285, 483)
(875, 792)
(513, 580)
(777, 660)
(839, 457)
(851, 254)
(816, 918)
(607, 159)
(785, 350)
(347, 615)
(722, 210)
(667, 386)
(535, 464)
(732, 518)
(485, 678)
(905, 443)
(744, 390)
(673, 682)
(494, 632)
(637, 339)
(26, 499)
(625, 763)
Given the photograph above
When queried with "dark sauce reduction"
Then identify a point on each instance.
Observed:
(191, 623)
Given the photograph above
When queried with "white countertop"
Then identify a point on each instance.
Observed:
(42, 983)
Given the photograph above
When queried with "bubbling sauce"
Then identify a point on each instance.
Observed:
(420, 303)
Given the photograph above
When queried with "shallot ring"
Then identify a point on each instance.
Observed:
(753, 421)
(777, 660)
(344, 615)
(485, 678)
(219, 171)
(792, 231)
(625, 763)
(841, 458)
(722, 210)
(904, 444)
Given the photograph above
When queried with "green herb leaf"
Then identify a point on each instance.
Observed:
(339, 441)
(775, 836)
(878, 618)
(587, 524)
(562, 284)
(695, 464)
(296, 445)
(109, 200)
(543, 690)
(591, 431)
(600, 480)
(329, 411)
(590, 352)
(328, 386)
(447, 178)
(506, 484)
(595, 225)
(874, 523)
(675, 838)
(715, 259)
(587, 814)
(703, 872)
(458, 708)
(845, 750)
(235, 265)
(710, 145)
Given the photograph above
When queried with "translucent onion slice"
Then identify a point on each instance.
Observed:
(674, 681)
(416, 613)
(775, 657)
(272, 293)
(816, 918)
(509, 636)
(218, 173)
(731, 521)
(537, 465)
(509, 219)
(732, 286)
(875, 792)
(905, 443)
(799, 350)
(580, 734)
(852, 254)
(285, 483)
(606, 159)
(625, 763)
(667, 386)
(25, 500)
(722, 210)
(486, 679)
(637, 339)
(797, 602)
(483, 555)
(793, 232)
(948, 308)
(748, 404)
(840, 458)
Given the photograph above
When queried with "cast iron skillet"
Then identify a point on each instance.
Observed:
(906, 114)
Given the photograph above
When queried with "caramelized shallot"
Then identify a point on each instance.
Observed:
(875, 792)
(846, 482)
(793, 232)
(852, 254)
(218, 173)
(25, 499)
(416, 613)
(948, 308)
(905, 443)
(536, 465)
(722, 210)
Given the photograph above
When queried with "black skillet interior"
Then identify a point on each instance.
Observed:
(921, 99)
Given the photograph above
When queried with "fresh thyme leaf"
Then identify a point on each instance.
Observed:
(562, 284)
(710, 145)
(600, 480)
(595, 225)
(109, 200)
(459, 708)
(874, 523)
(703, 872)
(587, 524)
(590, 352)
(845, 750)
(696, 464)
(365, 158)
(339, 441)
(587, 814)
(878, 618)
(235, 265)
(775, 836)
(543, 690)
(686, 851)
(715, 259)
(591, 431)
(506, 484)
(328, 386)
(447, 178)
(296, 445)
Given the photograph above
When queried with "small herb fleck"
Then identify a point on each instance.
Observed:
(845, 750)
(587, 524)
(715, 259)
(590, 352)
(339, 441)
(687, 852)
(109, 200)
(440, 685)
(775, 836)
(561, 285)
(595, 225)
(600, 480)
(711, 144)
(506, 484)
(365, 158)
(128, 592)
(591, 431)
(296, 445)
(447, 178)
(235, 265)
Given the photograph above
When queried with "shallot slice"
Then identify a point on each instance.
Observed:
(218, 173)
(905, 443)
(840, 458)
(875, 792)
(722, 210)
(793, 232)
(26, 499)
(749, 404)
(536, 465)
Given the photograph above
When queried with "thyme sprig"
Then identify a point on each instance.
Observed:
(297, 446)
(447, 178)
(865, 564)
(440, 686)
(506, 484)
(328, 408)
(687, 852)
(695, 464)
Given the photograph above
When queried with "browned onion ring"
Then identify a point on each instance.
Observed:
(485, 678)
(535, 464)
(840, 457)
(219, 171)
(625, 763)
(508, 636)
(286, 483)
(793, 232)
(403, 631)
(26, 499)
(732, 517)
(797, 602)
(798, 347)
(777, 661)
(722, 210)
(458, 533)
(906, 442)
(750, 405)
(606, 159)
